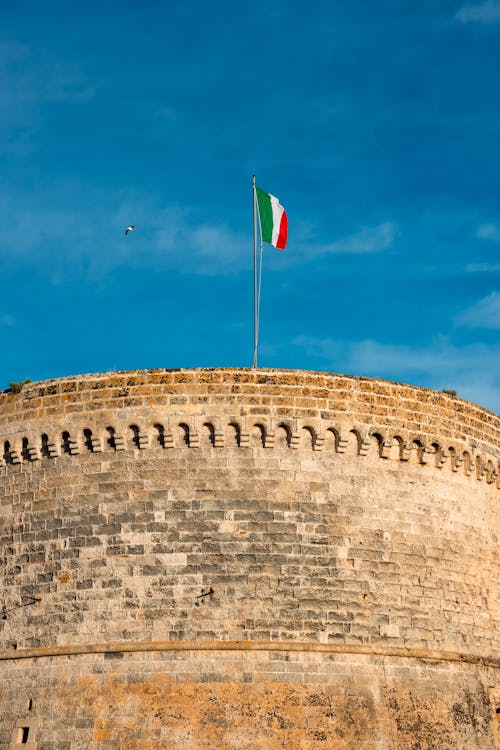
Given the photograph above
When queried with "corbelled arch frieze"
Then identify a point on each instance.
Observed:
(229, 408)
(83, 436)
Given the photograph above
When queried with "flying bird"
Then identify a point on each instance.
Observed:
(130, 229)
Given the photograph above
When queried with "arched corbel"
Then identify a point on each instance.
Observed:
(309, 436)
(193, 435)
(258, 435)
(15, 455)
(396, 445)
(426, 456)
(48, 448)
(244, 433)
(342, 439)
(419, 448)
(282, 432)
(385, 449)
(467, 461)
(490, 472)
(440, 455)
(158, 438)
(119, 441)
(29, 451)
(219, 437)
(269, 437)
(92, 441)
(364, 443)
(319, 441)
(143, 441)
(480, 468)
(168, 436)
(294, 437)
(404, 452)
(241, 434)
(139, 439)
(68, 445)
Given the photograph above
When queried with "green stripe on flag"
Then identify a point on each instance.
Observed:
(265, 214)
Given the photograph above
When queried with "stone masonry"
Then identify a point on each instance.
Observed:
(235, 559)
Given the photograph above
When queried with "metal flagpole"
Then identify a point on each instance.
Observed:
(255, 291)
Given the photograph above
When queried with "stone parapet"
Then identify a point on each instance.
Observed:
(312, 411)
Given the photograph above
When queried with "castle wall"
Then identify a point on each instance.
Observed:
(239, 559)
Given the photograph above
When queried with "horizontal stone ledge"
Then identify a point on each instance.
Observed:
(290, 646)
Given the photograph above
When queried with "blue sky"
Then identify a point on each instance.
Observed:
(376, 124)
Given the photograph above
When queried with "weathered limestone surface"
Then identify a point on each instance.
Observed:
(247, 559)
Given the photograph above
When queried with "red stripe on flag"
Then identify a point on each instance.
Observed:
(283, 233)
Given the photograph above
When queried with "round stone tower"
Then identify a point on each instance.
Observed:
(240, 559)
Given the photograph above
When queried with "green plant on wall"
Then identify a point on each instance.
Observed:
(18, 387)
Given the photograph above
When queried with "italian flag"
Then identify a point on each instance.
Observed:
(273, 219)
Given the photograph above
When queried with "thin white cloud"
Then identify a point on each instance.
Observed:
(483, 268)
(487, 12)
(483, 314)
(368, 240)
(303, 247)
(207, 249)
(472, 370)
(370, 356)
(488, 232)
(68, 239)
